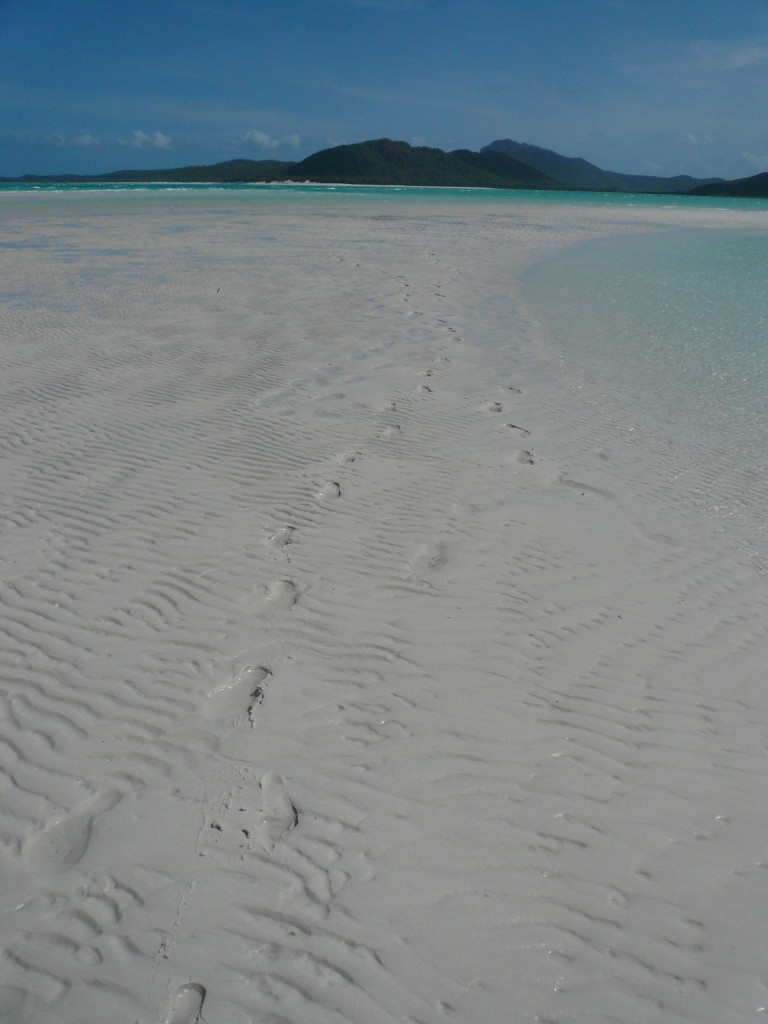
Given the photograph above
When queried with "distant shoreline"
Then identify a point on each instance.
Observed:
(385, 163)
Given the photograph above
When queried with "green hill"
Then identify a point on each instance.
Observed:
(578, 173)
(377, 162)
(754, 187)
(227, 171)
(386, 162)
(506, 167)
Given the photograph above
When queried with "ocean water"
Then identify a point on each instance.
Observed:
(667, 335)
(376, 193)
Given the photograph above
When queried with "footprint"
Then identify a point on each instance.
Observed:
(346, 457)
(494, 407)
(186, 1005)
(653, 536)
(240, 696)
(584, 488)
(519, 430)
(281, 595)
(278, 815)
(331, 490)
(18, 1004)
(428, 557)
(280, 540)
(526, 458)
(62, 845)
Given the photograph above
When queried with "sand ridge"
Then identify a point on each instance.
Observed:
(352, 668)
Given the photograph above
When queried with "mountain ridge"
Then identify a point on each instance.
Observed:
(503, 164)
(579, 173)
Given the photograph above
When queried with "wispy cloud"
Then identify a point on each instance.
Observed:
(703, 57)
(759, 160)
(61, 141)
(734, 56)
(698, 60)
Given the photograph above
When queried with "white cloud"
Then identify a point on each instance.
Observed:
(140, 139)
(699, 140)
(261, 139)
(87, 141)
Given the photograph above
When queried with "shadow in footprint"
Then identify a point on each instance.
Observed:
(522, 431)
(331, 490)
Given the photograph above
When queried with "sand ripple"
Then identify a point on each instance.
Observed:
(332, 695)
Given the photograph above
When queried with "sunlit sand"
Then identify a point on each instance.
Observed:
(354, 668)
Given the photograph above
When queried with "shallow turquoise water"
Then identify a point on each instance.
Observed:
(668, 335)
(377, 192)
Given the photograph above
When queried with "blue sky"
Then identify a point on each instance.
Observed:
(653, 86)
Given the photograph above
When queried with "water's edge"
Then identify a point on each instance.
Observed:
(666, 336)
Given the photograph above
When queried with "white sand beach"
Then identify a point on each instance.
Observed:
(354, 669)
